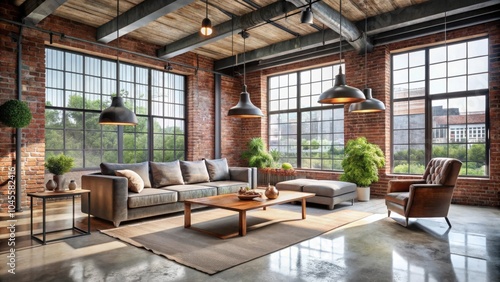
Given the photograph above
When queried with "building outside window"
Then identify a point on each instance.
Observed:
(307, 134)
(440, 107)
(79, 87)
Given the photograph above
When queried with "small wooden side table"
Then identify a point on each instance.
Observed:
(51, 195)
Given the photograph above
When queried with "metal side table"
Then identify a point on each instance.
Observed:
(51, 195)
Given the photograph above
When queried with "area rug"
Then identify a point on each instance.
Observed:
(268, 231)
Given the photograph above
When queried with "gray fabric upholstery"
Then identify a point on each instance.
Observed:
(167, 173)
(194, 172)
(329, 188)
(226, 187)
(191, 191)
(295, 184)
(140, 168)
(217, 169)
(151, 197)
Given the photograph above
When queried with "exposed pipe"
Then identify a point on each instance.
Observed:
(331, 18)
(19, 130)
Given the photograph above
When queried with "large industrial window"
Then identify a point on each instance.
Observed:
(79, 87)
(305, 133)
(440, 107)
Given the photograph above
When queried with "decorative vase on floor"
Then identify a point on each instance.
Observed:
(271, 192)
(50, 185)
(72, 185)
(60, 181)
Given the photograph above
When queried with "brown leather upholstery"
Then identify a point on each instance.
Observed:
(426, 197)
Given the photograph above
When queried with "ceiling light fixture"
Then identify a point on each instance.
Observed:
(206, 24)
(117, 113)
(245, 108)
(340, 93)
(370, 105)
(307, 15)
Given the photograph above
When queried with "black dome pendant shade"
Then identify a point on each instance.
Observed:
(340, 93)
(117, 114)
(370, 105)
(245, 108)
(307, 16)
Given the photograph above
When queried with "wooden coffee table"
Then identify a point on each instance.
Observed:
(232, 202)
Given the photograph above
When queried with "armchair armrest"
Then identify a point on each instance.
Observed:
(108, 194)
(243, 174)
(429, 200)
(402, 185)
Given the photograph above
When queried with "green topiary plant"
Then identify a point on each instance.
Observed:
(256, 154)
(15, 113)
(60, 164)
(361, 162)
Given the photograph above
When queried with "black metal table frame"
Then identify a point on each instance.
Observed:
(44, 233)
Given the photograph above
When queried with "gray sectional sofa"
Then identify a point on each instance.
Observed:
(153, 188)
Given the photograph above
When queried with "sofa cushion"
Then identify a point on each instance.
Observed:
(140, 168)
(294, 184)
(227, 186)
(194, 172)
(151, 197)
(135, 182)
(191, 191)
(168, 173)
(217, 169)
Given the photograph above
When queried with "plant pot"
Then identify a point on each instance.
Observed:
(61, 183)
(363, 194)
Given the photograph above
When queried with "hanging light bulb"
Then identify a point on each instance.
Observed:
(307, 15)
(340, 93)
(370, 105)
(117, 113)
(245, 108)
(206, 24)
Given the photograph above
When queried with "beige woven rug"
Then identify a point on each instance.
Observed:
(268, 231)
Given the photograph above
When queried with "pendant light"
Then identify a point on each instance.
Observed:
(245, 108)
(206, 24)
(307, 15)
(370, 105)
(117, 113)
(340, 93)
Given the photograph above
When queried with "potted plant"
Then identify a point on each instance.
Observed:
(361, 163)
(256, 154)
(15, 113)
(59, 165)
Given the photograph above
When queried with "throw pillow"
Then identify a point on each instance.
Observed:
(140, 168)
(194, 172)
(168, 173)
(217, 169)
(135, 182)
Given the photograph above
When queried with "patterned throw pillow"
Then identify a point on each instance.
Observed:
(218, 169)
(135, 182)
(168, 173)
(194, 172)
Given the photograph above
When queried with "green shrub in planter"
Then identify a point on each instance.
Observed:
(361, 162)
(257, 154)
(15, 113)
(60, 164)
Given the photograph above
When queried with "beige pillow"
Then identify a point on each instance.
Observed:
(135, 182)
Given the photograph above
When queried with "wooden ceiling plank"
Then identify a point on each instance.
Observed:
(137, 17)
(225, 29)
(37, 10)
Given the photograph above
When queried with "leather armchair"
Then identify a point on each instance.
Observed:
(426, 197)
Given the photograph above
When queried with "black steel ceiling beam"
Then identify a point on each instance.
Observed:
(37, 10)
(138, 16)
(257, 6)
(225, 29)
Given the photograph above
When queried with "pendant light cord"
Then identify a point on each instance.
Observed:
(340, 38)
(206, 9)
(118, 49)
(244, 59)
(366, 47)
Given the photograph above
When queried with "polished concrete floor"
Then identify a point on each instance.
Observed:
(373, 249)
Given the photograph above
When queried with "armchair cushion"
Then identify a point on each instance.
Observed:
(167, 173)
(400, 198)
(217, 169)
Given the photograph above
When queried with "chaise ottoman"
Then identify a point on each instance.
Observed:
(328, 192)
